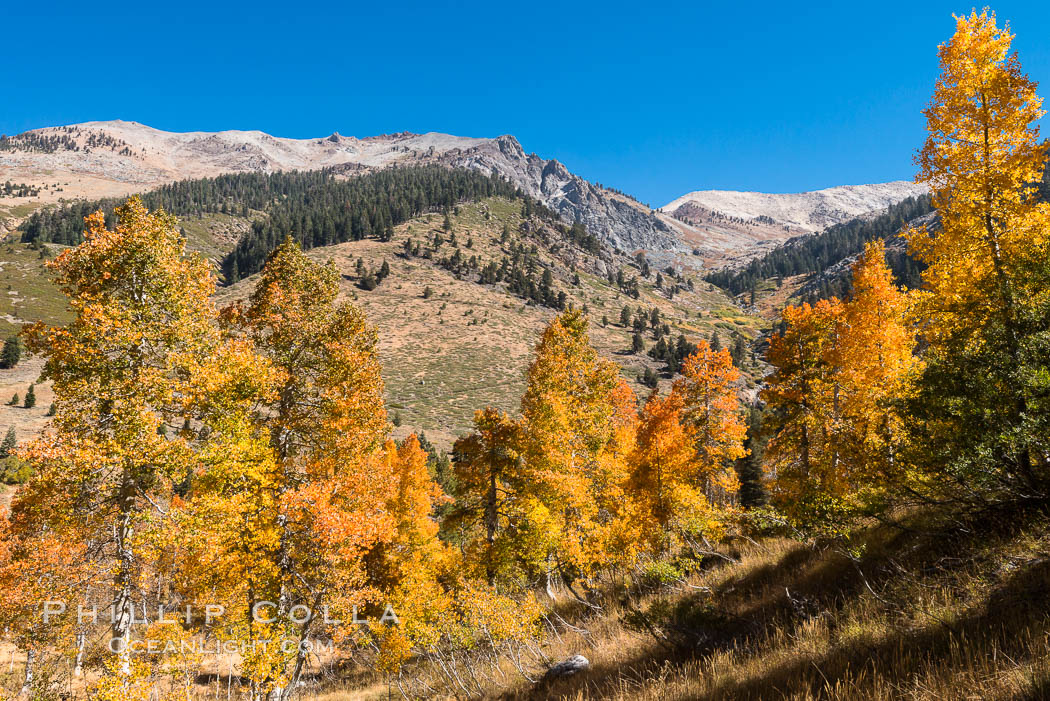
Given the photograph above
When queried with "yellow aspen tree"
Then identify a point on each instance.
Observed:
(224, 543)
(711, 412)
(980, 415)
(570, 412)
(327, 427)
(331, 400)
(444, 612)
(123, 368)
(982, 159)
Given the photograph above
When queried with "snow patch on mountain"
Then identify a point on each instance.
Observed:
(800, 212)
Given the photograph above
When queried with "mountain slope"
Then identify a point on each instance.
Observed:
(117, 158)
(138, 154)
(731, 229)
(461, 308)
(628, 226)
(795, 213)
(466, 343)
(702, 229)
(816, 253)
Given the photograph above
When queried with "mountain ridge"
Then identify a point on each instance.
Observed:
(133, 156)
(798, 212)
(703, 229)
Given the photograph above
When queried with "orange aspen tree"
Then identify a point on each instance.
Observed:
(802, 454)
(711, 412)
(36, 568)
(872, 359)
(666, 482)
(980, 415)
(411, 507)
(406, 568)
(123, 368)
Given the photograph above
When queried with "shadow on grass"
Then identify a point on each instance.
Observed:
(770, 605)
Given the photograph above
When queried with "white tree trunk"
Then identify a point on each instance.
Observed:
(27, 679)
(78, 661)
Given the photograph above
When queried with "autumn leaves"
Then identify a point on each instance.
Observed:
(938, 395)
(838, 368)
(239, 458)
(980, 411)
(583, 480)
(205, 458)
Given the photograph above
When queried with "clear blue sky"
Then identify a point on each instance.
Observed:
(655, 99)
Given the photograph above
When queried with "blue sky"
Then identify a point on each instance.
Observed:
(655, 99)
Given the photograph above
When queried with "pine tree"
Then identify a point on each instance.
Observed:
(368, 282)
(9, 444)
(11, 353)
(739, 351)
(30, 400)
(749, 470)
(488, 489)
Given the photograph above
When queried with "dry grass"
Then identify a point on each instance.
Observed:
(464, 348)
(929, 614)
(770, 300)
(926, 612)
(26, 422)
(468, 345)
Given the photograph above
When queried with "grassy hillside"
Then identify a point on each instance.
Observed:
(923, 611)
(26, 291)
(468, 344)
